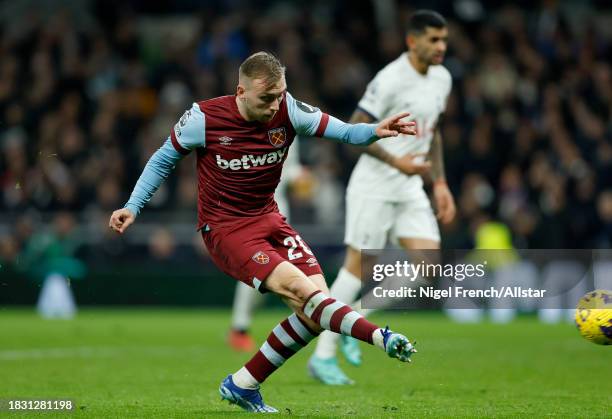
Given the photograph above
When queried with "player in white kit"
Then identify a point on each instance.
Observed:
(385, 199)
(246, 298)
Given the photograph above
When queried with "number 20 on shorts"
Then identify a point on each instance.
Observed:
(292, 243)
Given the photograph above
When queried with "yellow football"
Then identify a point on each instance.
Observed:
(594, 317)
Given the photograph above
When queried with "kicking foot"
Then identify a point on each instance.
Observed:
(249, 400)
(349, 346)
(327, 371)
(397, 345)
(240, 341)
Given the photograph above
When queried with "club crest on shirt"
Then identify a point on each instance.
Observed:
(261, 258)
(277, 137)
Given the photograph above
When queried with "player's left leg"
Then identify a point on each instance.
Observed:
(308, 298)
(368, 222)
(411, 245)
(323, 364)
(245, 300)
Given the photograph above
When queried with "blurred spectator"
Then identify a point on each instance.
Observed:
(88, 91)
(50, 258)
(53, 251)
(161, 245)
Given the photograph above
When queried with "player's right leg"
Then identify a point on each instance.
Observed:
(285, 340)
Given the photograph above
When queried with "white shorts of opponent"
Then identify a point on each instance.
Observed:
(371, 223)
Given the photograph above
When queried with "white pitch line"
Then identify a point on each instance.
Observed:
(94, 352)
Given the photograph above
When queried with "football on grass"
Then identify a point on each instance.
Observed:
(594, 317)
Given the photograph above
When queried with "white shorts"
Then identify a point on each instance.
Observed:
(371, 223)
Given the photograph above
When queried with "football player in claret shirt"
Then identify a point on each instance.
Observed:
(241, 142)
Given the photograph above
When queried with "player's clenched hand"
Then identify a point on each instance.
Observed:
(393, 126)
(121, 219)
(412, 164)
(445, 204)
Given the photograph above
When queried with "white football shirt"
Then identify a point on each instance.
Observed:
(400, 88)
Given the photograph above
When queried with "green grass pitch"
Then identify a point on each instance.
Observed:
(168, 364)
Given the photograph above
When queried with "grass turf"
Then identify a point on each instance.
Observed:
(168, 364)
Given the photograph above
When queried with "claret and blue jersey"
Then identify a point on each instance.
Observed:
(239, 162)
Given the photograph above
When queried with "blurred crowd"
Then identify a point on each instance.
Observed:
(89, 90)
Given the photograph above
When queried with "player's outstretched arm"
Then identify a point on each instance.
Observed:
(366, 134)
(310, 121)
